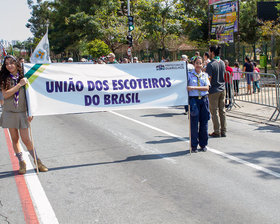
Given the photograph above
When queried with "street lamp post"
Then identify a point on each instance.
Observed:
(129, 31)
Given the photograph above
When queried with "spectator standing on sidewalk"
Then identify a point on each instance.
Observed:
(237, 74)
(206, 60)
(185, 58)
(135, 60)
(216, 71)
(256, 78)
(228, 83)
(112, 59)
(248, 67)
(196, 54)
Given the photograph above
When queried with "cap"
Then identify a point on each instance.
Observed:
(70, 59)
(184, 56)
(111, 55)
(135, 58)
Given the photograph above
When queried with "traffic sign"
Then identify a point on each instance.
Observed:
(129, 51)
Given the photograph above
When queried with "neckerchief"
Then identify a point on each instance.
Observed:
(16, 96)
(217, 58)
(198, 76)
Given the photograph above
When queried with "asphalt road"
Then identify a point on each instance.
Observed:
(134, 167)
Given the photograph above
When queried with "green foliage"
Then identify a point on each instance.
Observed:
(249, 31)
(40, 17)
(97, 48)
(112, 29)
(213, 42)
(162, 19)
(197, 27)
(160, 23)
(270, 28)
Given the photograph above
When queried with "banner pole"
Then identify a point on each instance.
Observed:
(189, 109)
(34, 150)
(190, 129)
(29, 128)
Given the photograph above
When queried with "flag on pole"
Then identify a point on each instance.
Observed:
(4, 53)
(41, 53)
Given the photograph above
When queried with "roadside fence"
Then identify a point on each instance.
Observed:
(252, 87)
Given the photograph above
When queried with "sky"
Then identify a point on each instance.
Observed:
(13, 18)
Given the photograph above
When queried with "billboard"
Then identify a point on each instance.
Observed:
(224, 21)
(212, 2)
(225, 8)
(268, 10)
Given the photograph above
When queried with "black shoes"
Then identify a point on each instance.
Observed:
(214, 135)
(203, 149)
(194, 150)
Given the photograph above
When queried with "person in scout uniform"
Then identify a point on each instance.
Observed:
(198, 86)
(14, 114)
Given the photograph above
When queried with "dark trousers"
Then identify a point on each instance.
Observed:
(236, 86)
(199, 121)
(228, 93)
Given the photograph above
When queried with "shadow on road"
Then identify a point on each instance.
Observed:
(270, 128)
(128, 159)
(7, 174)
(162, 115)
(167, 140)
(272, 158)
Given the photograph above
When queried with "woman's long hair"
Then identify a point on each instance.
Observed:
(5, 81)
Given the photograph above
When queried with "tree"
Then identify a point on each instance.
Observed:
(163, 21)
(97, 48)
(112, 28)
(249, 31)
(197, 27)
(40, 17)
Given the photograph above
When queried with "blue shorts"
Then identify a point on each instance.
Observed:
(249, 78)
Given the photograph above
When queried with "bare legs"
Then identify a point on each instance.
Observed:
(23, 133)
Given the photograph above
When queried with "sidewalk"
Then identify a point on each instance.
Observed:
(255, 113)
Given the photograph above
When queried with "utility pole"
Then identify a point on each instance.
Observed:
(209, 23)
(129, 36)
(238, 33)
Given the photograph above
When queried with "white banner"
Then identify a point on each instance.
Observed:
(62, 88)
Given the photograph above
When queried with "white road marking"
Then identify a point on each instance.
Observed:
(254, 166)
(43, 208)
